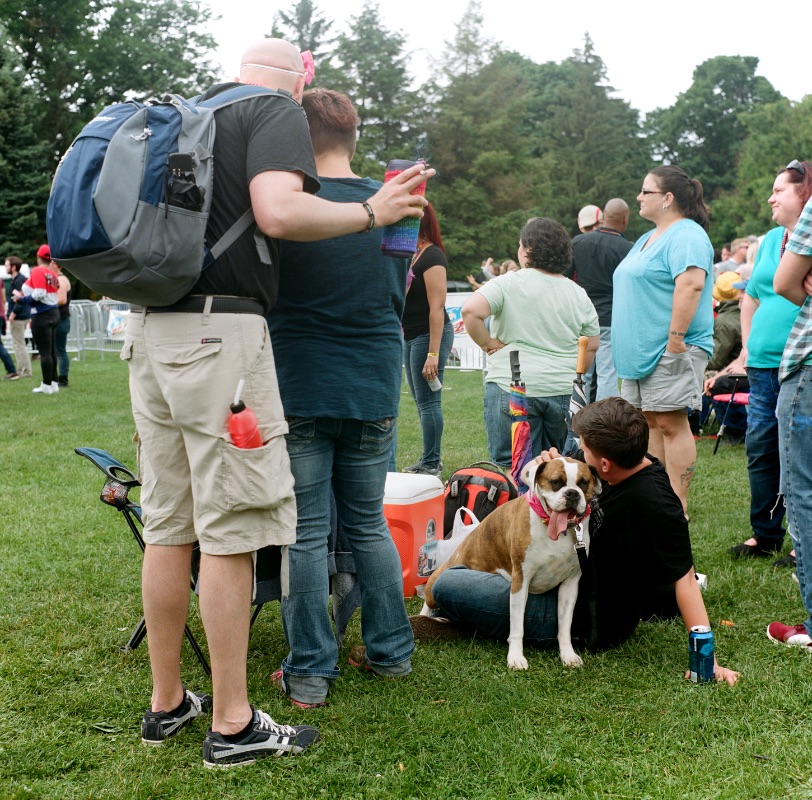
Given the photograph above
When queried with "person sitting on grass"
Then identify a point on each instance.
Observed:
(640, 562)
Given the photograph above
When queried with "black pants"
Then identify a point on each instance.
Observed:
(43, 329)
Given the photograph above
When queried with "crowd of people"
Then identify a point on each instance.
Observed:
(329, 424)
(39, 298)
(694, 329)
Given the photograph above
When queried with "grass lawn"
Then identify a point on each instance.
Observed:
(625, 726)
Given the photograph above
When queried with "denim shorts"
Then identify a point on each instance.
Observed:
(675, 384)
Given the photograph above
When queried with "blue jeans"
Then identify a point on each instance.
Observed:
(8, 361)
(548, 417)
(605, 366)
(795, 444)
(347, 458)
(735, 417)
(62, 358)
(602, 370)
(429, 407)
(481, 601)
(763, 465)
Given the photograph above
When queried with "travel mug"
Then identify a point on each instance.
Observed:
(399, 240)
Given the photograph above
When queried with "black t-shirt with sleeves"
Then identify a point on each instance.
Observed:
(639, 547)
(253, 136)
(416, 312)
(595, 257)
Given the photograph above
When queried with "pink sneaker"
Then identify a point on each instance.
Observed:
(790, 635)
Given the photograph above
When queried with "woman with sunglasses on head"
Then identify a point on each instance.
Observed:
(662, 291)
(767, 319)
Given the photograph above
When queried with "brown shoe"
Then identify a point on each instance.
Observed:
(358, 659)
(432, 629)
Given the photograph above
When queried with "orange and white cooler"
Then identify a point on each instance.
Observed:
(413, 507)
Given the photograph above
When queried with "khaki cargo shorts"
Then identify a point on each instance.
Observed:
(196, 486)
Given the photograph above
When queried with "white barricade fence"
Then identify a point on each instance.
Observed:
(98, 325)
(117, 316)
(465, 354)
(101, 325)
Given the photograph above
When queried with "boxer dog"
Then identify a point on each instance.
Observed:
(530, 541)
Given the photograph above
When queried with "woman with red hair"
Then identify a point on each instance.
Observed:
(428, 336)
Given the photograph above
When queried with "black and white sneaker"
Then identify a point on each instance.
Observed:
(158, 726)
(266, 738)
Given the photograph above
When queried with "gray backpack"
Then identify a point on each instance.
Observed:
(131, 197)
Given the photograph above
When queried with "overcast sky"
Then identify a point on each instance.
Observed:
(650, 48)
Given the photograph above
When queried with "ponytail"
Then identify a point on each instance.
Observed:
(688, 193)
(700, 215)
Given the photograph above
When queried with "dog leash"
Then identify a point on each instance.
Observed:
(580, 547)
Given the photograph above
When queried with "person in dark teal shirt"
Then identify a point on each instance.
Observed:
(337, 343)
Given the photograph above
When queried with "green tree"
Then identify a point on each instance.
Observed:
(306, 27)
(24, 164)
(775, 134)
(589, 140)
(489, 181)
(517, 139)
(485, 180)
(704, 130)
(470, 50)
(79, 55)
(371, 68)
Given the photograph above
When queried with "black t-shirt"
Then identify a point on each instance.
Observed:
(639, 547)
(416, 311)
(253, 136)
(595, 256)
(22, 311)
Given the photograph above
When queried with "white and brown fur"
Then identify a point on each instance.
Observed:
(514, 541)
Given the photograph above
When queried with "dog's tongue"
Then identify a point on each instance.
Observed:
(557, 524)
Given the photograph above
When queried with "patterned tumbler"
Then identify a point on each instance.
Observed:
(399, 240)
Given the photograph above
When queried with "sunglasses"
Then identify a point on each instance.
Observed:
(797, 166)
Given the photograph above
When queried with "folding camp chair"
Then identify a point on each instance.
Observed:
(267, 568)
(732, 398)
(115, 493)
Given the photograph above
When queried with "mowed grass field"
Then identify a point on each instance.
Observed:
(462, 726)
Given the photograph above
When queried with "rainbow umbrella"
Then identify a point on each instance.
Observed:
(520, 429)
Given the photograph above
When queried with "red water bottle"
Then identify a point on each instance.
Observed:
(242, 423)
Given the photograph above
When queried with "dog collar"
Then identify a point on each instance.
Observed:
(535, 505)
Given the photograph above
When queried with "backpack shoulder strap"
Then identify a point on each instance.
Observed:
(226, 98)
(232, 234)
(235, 94)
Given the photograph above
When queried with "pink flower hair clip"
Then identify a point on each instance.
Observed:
(309, 67)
